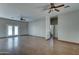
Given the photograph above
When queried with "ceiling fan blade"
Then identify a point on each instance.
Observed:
(21, 18)
(57, 10)
(59, 6)
(67, 6)
(51, 3)
(48, 7)
(49, 11)
(52, 6)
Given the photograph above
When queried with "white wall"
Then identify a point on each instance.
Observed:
(68, 27)
(47, 26)
(23, 27)
(38, 27)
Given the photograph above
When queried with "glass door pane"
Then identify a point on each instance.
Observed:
(15, 30)
(10, 30)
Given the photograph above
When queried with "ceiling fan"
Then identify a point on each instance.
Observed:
(54, 7)
(22, 19)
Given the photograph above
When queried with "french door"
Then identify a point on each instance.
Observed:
(15, 30)
(12, 30)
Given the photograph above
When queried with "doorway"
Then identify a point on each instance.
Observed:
(12, 30)
(54, 27)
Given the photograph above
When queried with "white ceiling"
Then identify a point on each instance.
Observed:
(31, 11)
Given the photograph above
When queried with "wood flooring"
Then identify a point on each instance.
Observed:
(29, 45)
